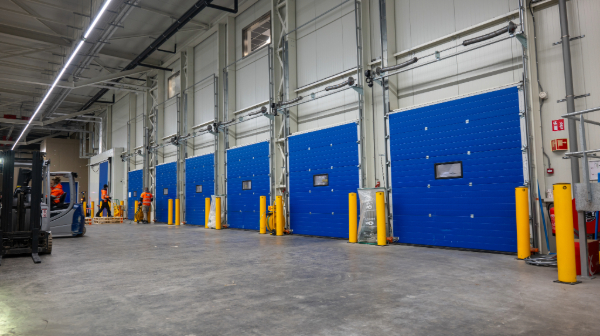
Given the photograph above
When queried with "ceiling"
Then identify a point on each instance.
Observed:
(36, 38)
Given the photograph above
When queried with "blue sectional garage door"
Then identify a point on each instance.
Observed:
(166, 178)
(330, 154)
(247, 163)
(477, 211)
(135, 189)
(199, 184)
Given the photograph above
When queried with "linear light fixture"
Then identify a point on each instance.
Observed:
(73, 54)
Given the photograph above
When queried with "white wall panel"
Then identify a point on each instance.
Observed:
(252, 76)
(326, 46)
(120, 116)
(139, 120)
(205, 65)
(170, 105)
(487, 67)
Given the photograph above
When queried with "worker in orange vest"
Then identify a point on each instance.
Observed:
(146, 199)
(105, 198)
(56, 190)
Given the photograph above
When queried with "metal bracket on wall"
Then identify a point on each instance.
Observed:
(571, 39)
(576, 97)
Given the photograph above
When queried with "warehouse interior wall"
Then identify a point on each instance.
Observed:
(326, 48)
(64, 156)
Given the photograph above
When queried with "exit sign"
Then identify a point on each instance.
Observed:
(558, 125)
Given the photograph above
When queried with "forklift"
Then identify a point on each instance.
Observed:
(33, 224)
(21, 212)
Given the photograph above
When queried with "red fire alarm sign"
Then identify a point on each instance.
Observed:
(560, 145)
(558, 125)
(550, 170)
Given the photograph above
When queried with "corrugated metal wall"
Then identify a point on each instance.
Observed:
(323, 210)
(247, 163)
(199, 171)
(477, 209)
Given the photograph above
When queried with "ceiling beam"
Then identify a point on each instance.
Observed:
(62, 23)
(34, 14)
(53, 6)
(35, 35)
(32, 94)
(71, 115)
(111, 76)
(25, 143)
(171, 16)
(63, 42)
(20, 121)
(32, 51)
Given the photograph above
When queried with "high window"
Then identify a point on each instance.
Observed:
(257, 34)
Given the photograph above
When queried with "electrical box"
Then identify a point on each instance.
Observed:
(550, 170)
(560, 145)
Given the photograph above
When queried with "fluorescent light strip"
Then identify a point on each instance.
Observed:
(75, 51)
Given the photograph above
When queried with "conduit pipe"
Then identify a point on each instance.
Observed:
(510, 29)
(411, 61)
(350, 81)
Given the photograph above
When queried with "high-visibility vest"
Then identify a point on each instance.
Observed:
(105, 196)
(57, 191)
(146, 198)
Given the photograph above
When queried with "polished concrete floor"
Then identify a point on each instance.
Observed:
(126, 279)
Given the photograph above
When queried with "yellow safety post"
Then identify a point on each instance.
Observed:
(84, 210)
(121, 209)
(279, 223)
(381, 231)
(92, 210)
(218, 213)
(352, 215)
(263, 215)
(177, 212)
(206, 211)
(170, 212)
(523, 235)
(565, 242)
(135, 206)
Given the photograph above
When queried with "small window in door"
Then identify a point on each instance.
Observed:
(165, 191)
(321, 180)
(246, 185)
(198, 189)
(135, 194)
(448, 170)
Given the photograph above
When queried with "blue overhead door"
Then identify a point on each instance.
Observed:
(134, 191)
(323, 170)
(247, 180)
(103, 179)
(454, 169)
(199, 184)
(166, 188)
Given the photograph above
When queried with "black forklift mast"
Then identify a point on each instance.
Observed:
(21, 236)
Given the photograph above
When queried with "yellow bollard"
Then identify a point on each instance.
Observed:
(206, 211)
(218, 213)
(263, 215)
(523, 234)
(92, 210)
(170, 212)
(279, 221)
(135, 207)
(381, 231)
(122, 207)
(84, 210)
(565, 242)
(177, 212)
(352, 215)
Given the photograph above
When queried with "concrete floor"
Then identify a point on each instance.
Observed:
(126, 279)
